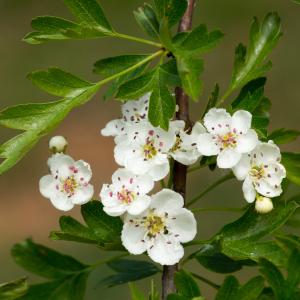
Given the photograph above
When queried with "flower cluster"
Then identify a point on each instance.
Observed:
(158, 224)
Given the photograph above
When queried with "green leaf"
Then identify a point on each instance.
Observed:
(44, 261)
(137, 87)
(240, 239)
(13, 290)
(70, 287)
(250, 96)
(113, 65)
(283, 136)
(37, 120)
(172, 10)
(210, 257)
(250, 64)
(251, 289)
(136, 294)
(90, 13)
(199, 40)
(128, 271)
(162, 103)
(186, 285)
(189, 69)
(59, 83)
(146, 18)
(103, 225)
(154, 295)
(228, 289)
(169, 73)
(274, 277)
(291, 161)
(293, 278)
(54, 28)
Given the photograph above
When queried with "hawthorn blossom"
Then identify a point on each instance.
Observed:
(145, 150)
(161, 229)
(126, 193)
(185, 148)
(228, 137)
(261, 171)
(263, 205)
(68, 182)
(133, 111)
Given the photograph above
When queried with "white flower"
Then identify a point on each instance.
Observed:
(58, 144)
(261, 171)
(185, 148)
(263, 205)
(126, 193)
(145, 150)
(68, 183)
(161, 229)
(133, 111)
(228, 137)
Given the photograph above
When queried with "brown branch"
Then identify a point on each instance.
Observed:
(180, 171)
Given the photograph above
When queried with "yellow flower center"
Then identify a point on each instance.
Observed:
(126, 196)
(257, 172)
(177, 144)
(69, 186)
(155, 225)
(228, 140)
(149, 149)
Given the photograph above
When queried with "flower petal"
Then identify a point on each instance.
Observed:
(186, 157)
(139, 205)
(228, 158)
(266, 153)
(183, 224)
(61, 201)
(207, 145)
(166, 200)
(83, 195)
(166, 251)
(241, 169)
(83, 171)
(249, 190)
(247, 142)
(113, 128)
(60, 164)
(115, 211)
(275, 172)
(132, 238)
(268, 190)
(47, 186)
(241, 121)
(159, 171)
(217, 121)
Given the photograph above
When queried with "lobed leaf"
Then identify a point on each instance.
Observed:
(291, 161)
(283, 136)
(186, 285)
(13, 290)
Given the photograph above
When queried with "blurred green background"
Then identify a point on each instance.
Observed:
(24, 213)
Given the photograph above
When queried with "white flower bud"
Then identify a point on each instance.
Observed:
(263, 205)
(58, 144)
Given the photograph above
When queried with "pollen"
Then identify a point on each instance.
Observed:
(257, 172)
(155, 225)
(149, 149)
(69, 186)
(228, 140)
(126, 196)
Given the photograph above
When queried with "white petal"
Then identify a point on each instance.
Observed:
(217, 121)
(275, 172)
(60, 164)
(242, 168)
(122, 176)
(83, 171)
(241, 121)
(132, 238)
(47, 186)
(266, 153)
(159, 171)
(207, 145)
(115, 211)
(177, 125)
(228, 158)
(198, 128)
(83, 195)
(113, 128)
(184, 224)
(247, 142)
(138, 165)
(139, 205)
(136, 110)
(263, 205)
(268, 190)
(186, 158)
(122, 152)
(166, 200)
(144, 183)
(248, 190)
(61, 201)
(166, 251)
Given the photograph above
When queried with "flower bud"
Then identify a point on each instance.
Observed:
(58, 144)
(263, 205)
